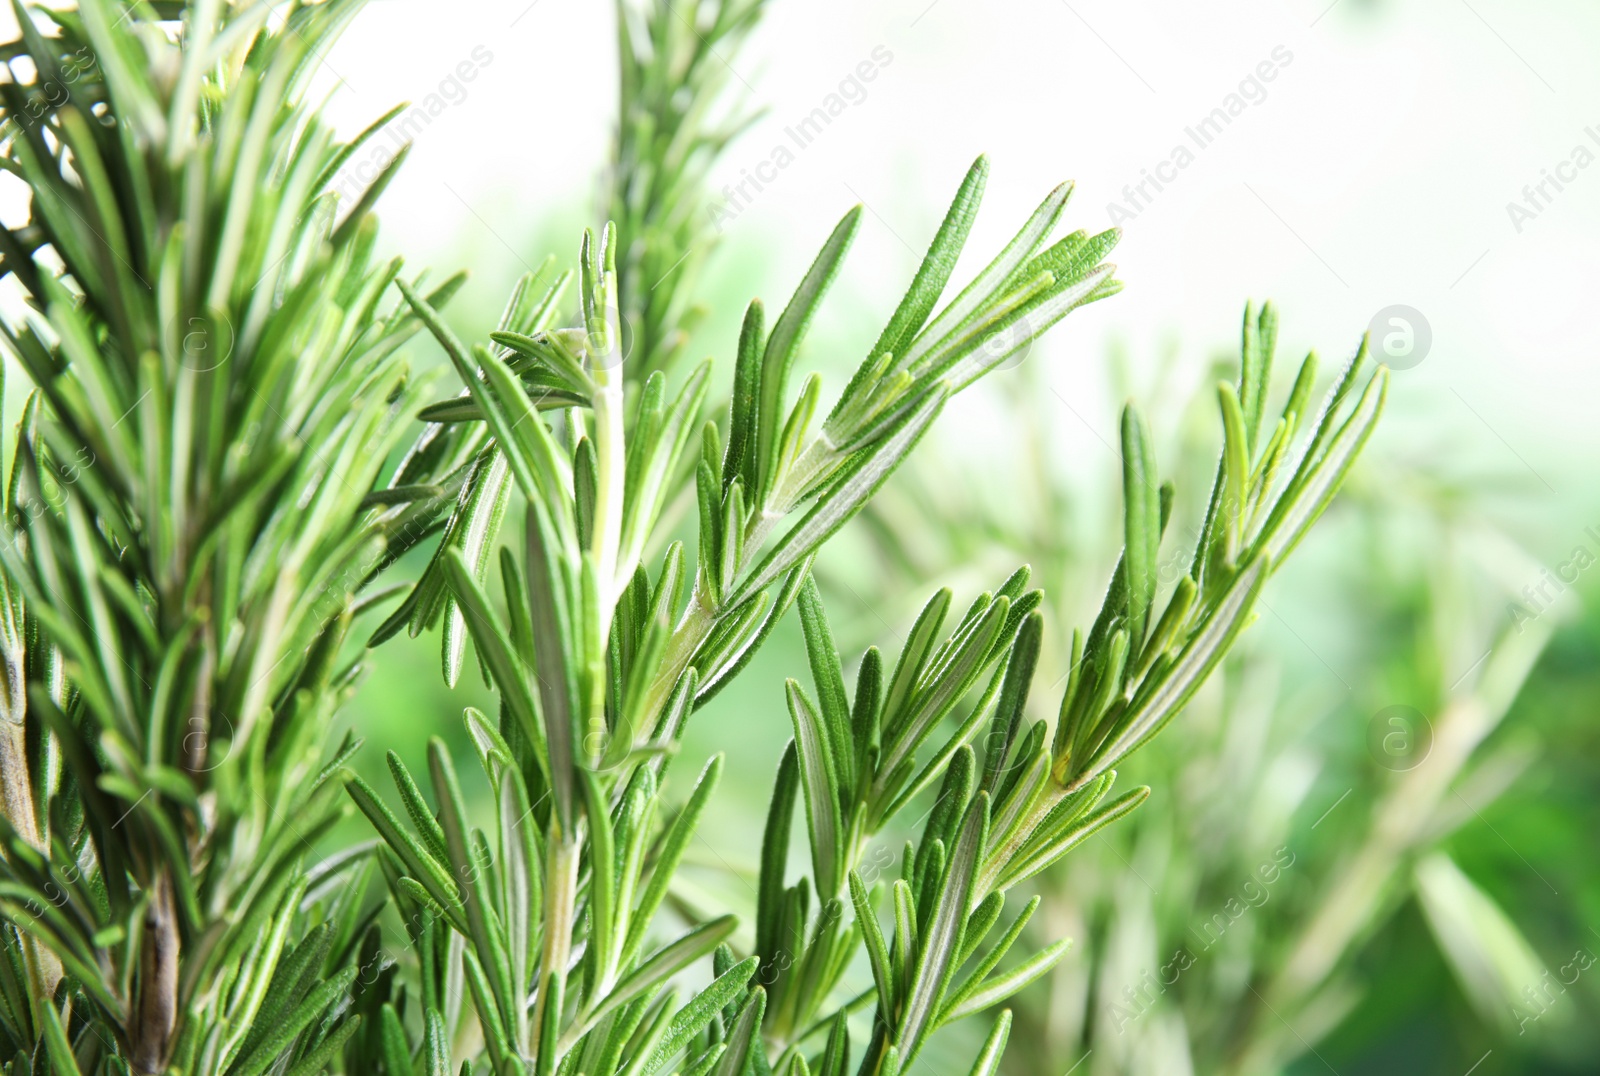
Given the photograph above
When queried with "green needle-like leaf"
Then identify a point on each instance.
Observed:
(988, 1062)
(690, 1020)
(1141, 522)
(994, 990)
(785, 341)
(821, 782)
(744, 1040)
(667, 961)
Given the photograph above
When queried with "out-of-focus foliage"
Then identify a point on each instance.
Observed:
(674, 62)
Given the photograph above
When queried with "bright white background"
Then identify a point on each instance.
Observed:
(1377, 170)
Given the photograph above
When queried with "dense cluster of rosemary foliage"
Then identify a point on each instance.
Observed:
(1302, 821)
(219, 463)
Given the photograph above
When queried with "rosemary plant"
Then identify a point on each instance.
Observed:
(1241, 917)
(599, 662)
(191, 513)
(674, 63)
(1278, 862)
(1035, 795)
(202, 495)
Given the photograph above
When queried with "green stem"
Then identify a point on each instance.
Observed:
(610, 481)
(157, 1008)
(42, 967)
(1040, 803)
(692, 630)
(560, 902)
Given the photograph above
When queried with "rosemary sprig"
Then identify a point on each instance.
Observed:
(600, 663)
(192, 509)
